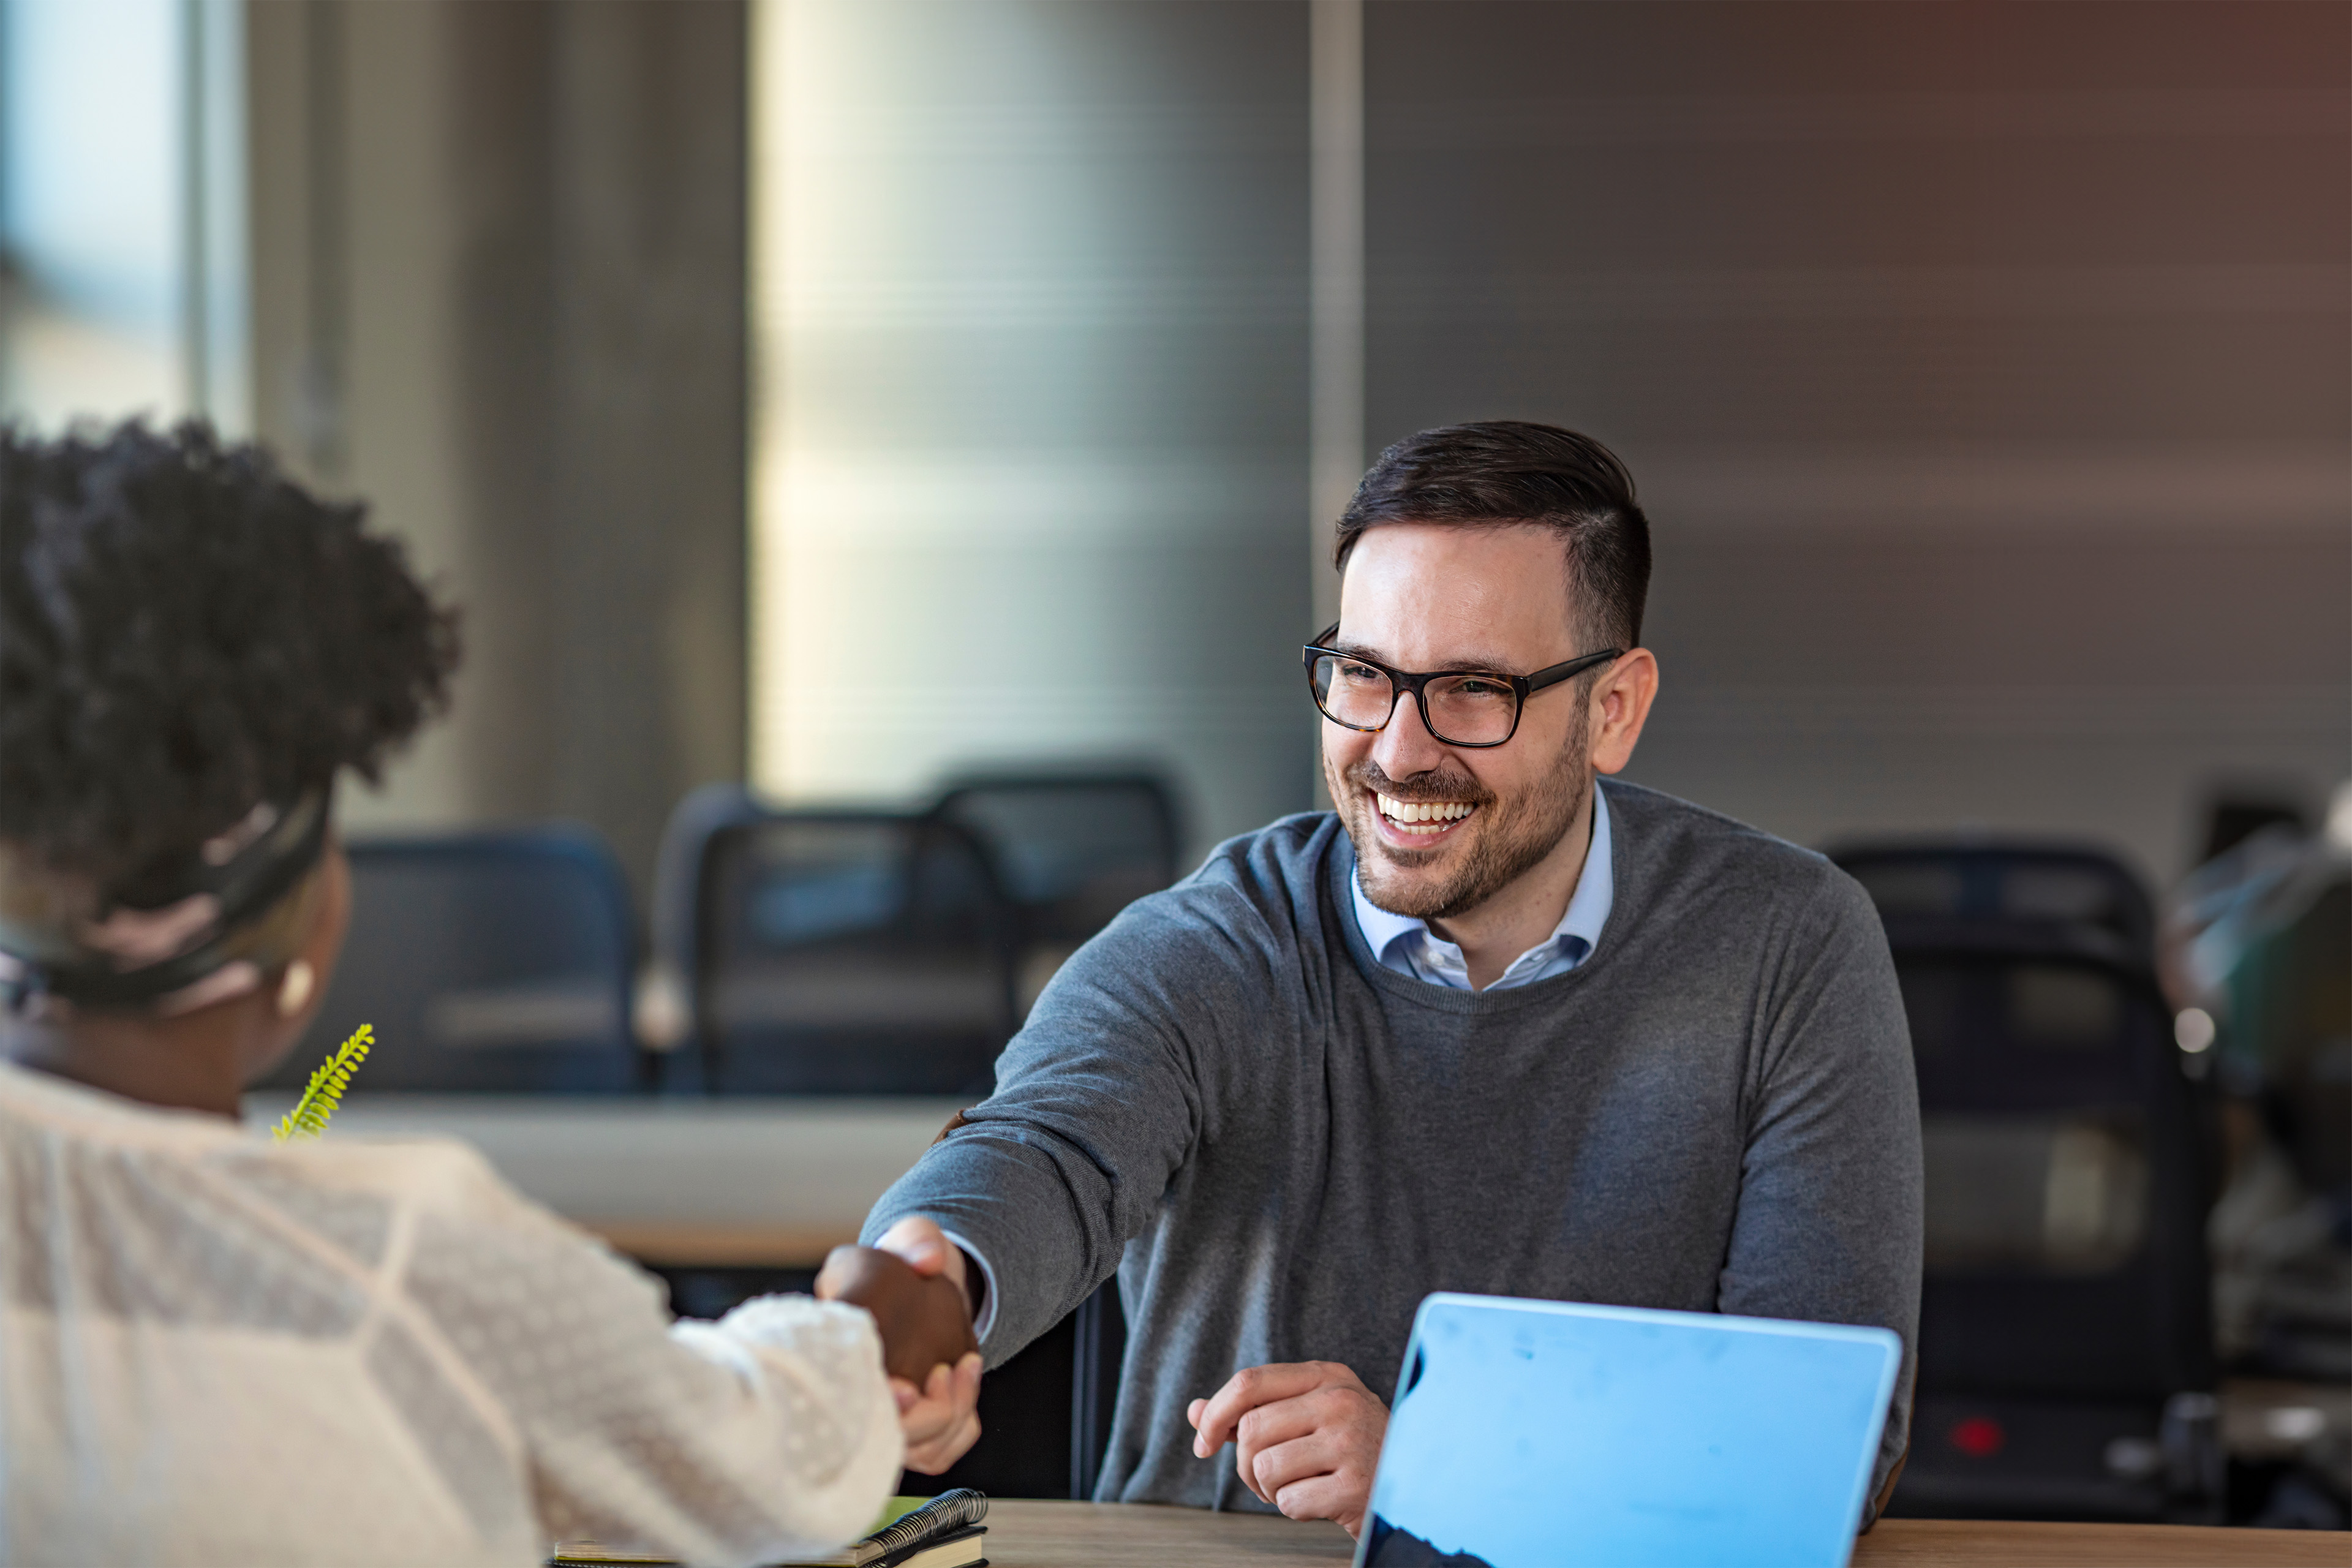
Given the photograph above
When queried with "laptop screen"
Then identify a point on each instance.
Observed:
(1540, 1434)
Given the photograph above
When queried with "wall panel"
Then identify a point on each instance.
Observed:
(1031, 301)
(1984, 367)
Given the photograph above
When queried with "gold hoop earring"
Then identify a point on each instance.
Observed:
(294, 991)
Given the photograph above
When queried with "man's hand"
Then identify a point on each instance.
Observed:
(941, 1420)
(940, 1417)
(928, 1251)
(1308, 1435)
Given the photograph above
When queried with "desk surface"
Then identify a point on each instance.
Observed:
(1093, 1535)
(774, 1183)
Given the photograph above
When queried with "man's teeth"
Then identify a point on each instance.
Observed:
(1410, 814)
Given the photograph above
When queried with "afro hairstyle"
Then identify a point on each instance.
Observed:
(185, 633)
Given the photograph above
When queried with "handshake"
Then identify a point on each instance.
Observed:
(924, 1320)
(1306, 1435)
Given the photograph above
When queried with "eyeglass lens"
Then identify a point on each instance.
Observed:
(1468, 709)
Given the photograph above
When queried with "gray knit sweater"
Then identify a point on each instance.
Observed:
(1281, 1147)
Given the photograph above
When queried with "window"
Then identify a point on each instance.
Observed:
(122, 244)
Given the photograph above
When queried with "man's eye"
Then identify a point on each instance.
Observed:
(1360, 672)
(1478, 686)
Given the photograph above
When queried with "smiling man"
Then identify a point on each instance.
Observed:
(1492, 1026)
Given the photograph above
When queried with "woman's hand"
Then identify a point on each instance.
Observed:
(924, 1320)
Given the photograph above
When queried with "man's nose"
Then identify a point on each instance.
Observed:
(1406, 747)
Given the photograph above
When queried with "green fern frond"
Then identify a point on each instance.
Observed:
(309, 1117)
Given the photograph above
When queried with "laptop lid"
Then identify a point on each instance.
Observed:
(1545, 1434)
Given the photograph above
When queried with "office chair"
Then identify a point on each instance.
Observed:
(667, 1020)
(1070, 850)
(2066, 1363)
(1044, 1414)
(1098, 1355)
(493, 961)
(836, 952)
(2040, 886)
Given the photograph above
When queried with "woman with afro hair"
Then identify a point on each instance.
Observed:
(214, 1349)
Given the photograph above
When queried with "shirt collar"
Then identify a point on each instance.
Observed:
(1588, 907)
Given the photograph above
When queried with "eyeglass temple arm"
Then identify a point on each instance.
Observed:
(1559, 672)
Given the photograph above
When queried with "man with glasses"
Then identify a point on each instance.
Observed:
(1490, 1027)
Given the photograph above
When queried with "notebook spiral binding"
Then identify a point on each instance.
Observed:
(949, 1511)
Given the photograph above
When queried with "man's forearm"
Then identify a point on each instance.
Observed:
(1006, 1206)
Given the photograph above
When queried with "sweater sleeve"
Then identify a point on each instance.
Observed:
(1831, 1220)
(1099, 1100)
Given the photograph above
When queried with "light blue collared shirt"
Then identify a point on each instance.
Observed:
(1408, 946)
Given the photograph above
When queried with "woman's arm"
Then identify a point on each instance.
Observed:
(771, 1433)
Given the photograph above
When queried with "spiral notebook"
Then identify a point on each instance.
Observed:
(944, 1532)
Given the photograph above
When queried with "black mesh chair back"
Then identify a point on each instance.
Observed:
(492, 962)
(2011, 886)
(2065, 1308)
(848, 952)
(671, 979)
(1070, 851)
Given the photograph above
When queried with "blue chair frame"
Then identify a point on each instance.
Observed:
(493, 1069)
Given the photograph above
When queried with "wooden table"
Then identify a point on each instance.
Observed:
(769, 1182)
(1097, 1535)
(1950, 1542)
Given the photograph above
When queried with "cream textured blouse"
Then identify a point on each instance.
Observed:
(216, 1350)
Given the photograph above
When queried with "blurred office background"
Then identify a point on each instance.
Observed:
(836, 402)
(843, 395)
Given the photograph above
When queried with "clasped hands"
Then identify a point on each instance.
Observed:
(1308, 1434)
(914, 1287)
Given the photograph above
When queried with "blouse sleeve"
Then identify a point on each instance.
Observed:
(769, 1434)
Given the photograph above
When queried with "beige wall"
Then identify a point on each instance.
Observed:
(499, 295)
(354, 311)
(1034, 334)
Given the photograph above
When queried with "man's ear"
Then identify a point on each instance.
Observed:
(1621, 706)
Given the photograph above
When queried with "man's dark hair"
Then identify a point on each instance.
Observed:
(185, 633)
(1500, 471)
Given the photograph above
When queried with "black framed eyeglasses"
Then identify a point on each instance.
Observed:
(1460, 707)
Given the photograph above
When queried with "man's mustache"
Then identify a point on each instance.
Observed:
(1452, 789)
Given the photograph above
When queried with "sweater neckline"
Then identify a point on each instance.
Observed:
(1338, 876)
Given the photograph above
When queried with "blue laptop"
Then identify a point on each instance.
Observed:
(1546, 1433)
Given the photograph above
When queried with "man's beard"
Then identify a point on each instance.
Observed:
(1517, 831)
